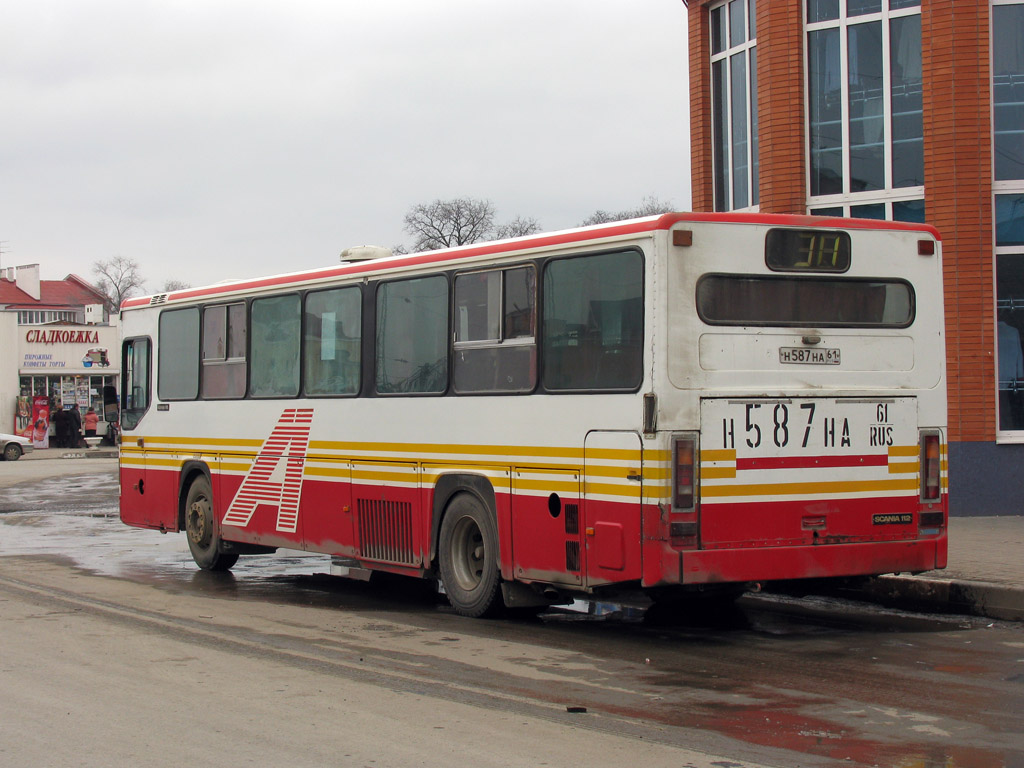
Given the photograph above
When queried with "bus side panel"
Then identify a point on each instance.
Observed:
(268, 521)
(162, 488)
(547, 526)
(326, 509)
(149, 492)
(613, 542)
(133, 501)
(386, 504)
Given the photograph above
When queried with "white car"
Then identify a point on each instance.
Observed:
(12, 446)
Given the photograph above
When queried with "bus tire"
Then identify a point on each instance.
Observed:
(468, 554)
(201, 528)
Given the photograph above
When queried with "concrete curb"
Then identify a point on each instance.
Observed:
(84, 453)
(973, 598)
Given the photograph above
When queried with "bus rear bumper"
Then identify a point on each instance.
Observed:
(714, 566)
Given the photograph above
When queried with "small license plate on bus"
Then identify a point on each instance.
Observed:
(805, 356)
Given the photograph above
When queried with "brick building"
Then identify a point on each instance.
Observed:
(900, 109)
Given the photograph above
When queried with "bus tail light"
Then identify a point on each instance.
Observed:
(931, 465)
(684, 473)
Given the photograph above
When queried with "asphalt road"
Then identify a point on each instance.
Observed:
(114, 650)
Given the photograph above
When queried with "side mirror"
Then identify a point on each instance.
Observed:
(110, 404)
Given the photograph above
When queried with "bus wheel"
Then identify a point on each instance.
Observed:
(469, 558)
(199, 527)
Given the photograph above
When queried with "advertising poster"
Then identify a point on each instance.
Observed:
(41, 421)
(67, 392)
(23, 417)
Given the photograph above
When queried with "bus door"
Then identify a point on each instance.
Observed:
(547, 530)
(613, 464)
(808, 470)
(137, 508)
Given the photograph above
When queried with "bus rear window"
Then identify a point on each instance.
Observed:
(825, 302)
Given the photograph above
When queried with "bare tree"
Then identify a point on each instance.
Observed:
(174, 285)
(460, 221)
(649, 206)
(518, 227)
(117, 278)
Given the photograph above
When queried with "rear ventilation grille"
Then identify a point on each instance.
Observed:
(572, 519)
(572, 556)
(385, 530)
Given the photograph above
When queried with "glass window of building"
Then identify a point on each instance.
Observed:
(1008, 165)
(865, 126)
(734, 104)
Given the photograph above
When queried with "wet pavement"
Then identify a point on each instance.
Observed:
(75, 516)
(821, 677)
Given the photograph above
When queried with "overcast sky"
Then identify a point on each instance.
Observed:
(213, 139)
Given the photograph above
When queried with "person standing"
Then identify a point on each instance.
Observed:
(89, 422)
(75, 424)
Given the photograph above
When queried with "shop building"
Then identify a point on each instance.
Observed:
(56, 343)
(910, 110)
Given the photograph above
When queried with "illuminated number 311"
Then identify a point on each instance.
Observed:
(820, 250)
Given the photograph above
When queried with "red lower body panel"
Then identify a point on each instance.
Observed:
(805, 562)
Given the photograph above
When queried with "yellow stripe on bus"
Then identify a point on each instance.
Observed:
(904, 450)
(801, 489)
(718, 454)
(718, 473)
(904, 467)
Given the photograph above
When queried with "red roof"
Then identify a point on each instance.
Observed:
(71, 292)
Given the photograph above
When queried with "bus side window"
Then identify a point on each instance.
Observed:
(333, 332)
(495, 317)
(412, 336)
(178, 355)
(274, 358)
(592, 322)
(224, 347)
(135, 394)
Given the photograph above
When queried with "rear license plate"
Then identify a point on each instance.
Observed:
(812, 427)
(805, 356)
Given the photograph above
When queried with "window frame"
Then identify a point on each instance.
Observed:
(888, 194)
(204, 361)
(160, 351)
(724, 199)
(502, 341)
(1001, 187)
(361, 342)
(253, 300)
(805, 278)
(543, 320)
(128, 378)
(382, 285)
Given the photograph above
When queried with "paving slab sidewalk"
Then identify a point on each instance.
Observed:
(984, 576)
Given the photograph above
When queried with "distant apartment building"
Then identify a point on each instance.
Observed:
(55, 342)
(892, 109)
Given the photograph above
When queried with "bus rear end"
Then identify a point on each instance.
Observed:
(810, 356)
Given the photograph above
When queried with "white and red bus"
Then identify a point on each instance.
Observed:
(663, 404)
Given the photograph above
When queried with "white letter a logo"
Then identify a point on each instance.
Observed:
(265, 484)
